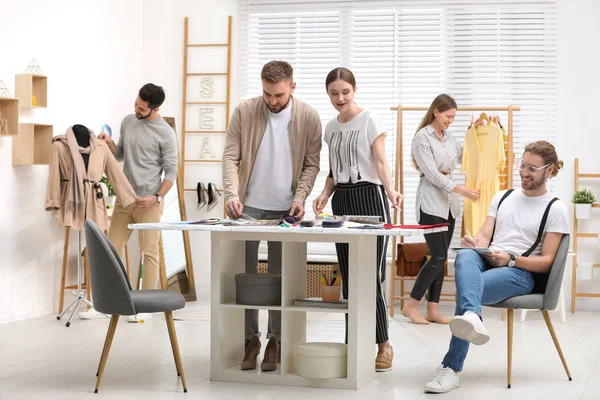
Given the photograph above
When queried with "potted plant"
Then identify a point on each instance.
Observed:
(583, 200)
(110, 195)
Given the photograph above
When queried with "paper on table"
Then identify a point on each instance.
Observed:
(478, 250)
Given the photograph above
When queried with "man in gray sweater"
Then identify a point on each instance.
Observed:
(147, 147)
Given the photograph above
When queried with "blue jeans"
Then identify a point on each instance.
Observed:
(477, 284)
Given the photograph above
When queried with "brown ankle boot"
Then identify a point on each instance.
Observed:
(252, 352)
(269, 362)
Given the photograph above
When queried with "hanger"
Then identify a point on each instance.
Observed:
(482, 121)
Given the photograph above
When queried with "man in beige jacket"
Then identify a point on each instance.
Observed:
(270, 164)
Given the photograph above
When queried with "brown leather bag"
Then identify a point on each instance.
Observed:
(411, 257)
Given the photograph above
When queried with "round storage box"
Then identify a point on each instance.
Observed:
(258, 289)
(322, 360)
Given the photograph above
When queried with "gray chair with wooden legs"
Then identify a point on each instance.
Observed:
(544, 302)
(112, 294)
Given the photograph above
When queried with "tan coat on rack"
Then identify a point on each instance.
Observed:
(57, 192)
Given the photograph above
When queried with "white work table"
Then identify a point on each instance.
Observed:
(227, 317)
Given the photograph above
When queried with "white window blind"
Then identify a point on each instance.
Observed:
(482, 53)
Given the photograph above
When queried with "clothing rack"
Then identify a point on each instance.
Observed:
(399, 186)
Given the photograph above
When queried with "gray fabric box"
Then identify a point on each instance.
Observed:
(258, 289)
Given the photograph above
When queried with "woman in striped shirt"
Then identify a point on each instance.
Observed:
(435, 152)
(361, 184)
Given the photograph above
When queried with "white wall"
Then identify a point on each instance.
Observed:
(577, 104)
(93, 65)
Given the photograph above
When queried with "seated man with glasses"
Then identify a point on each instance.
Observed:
(523, 229)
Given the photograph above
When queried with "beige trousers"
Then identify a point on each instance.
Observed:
(119, 234)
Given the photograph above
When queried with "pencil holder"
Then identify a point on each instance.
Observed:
(330, 293)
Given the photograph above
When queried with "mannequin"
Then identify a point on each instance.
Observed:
(82, 134)
(69, 191)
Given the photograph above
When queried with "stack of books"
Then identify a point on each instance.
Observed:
(318, 302)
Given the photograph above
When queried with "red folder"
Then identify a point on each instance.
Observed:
(392, 226)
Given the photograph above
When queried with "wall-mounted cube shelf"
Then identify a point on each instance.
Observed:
(9, 112)
(31, 90)
(32, 145)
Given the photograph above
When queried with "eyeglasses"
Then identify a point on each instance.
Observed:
(96, 186)
(532, 169)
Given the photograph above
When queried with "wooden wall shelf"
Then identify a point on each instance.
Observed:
(32, 145)
(576, 235)
(27, 86)
(9, 111)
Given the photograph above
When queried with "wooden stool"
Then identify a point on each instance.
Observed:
(86, 271)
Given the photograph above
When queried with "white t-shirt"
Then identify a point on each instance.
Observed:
(350, 152)
(518, 221)
(270, 184)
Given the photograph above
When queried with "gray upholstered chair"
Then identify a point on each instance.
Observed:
(544, 302)
(112, 294)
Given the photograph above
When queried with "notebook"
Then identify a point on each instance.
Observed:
(478, 250)
(318, 302)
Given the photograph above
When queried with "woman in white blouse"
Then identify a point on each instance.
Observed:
(361, 179)
(436, 152)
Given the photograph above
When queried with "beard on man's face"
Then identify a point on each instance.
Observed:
(532, 182)
(142, 116)
(278, 108)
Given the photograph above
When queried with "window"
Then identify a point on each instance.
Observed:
(482, 53)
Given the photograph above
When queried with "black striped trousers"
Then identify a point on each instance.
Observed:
(364, 198)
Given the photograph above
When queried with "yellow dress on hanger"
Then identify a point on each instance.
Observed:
(504, 171)
(483, 160)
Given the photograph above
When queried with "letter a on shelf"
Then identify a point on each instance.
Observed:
(207, 149)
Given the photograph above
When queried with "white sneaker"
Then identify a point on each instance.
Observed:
(91, 314)
(141, 317)
(469, 327)
(444, 380)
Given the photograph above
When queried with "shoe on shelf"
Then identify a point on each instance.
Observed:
(91, 314)
(212, 196)
(141, 317)
(469, 327)
(202, 195)
(269, 362)
(444, 380)
(252, 352)
(383, 361)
